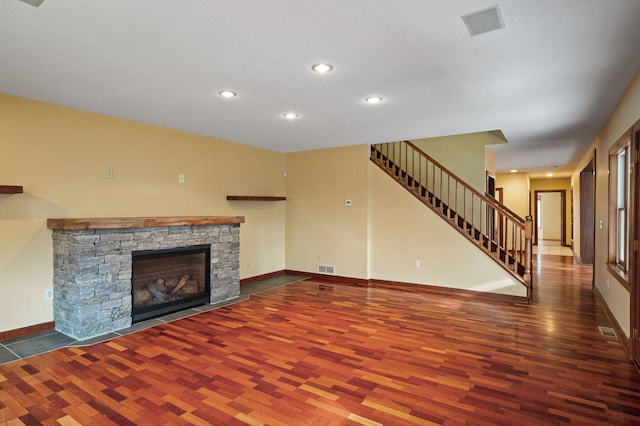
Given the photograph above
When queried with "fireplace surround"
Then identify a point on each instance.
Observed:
(92, 262)
(169, 280)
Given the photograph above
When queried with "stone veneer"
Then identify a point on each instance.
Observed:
(92, 271)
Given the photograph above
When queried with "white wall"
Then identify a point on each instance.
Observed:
(551, 220)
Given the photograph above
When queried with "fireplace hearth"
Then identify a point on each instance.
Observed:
(93, 272)
(169, 280)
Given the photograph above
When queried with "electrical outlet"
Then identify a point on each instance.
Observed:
(109, 173)
(416, 263)
(48, 294)
(180, 178)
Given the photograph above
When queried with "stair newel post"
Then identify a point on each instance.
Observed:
(528, 276)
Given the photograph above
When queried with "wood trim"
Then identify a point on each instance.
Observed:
(262, 277)
(492, 202)
(11, 189)
(622, 337)
(25, 331)
(397, 285)
(563, 214)
(587, 216)
(254, 198)
(453, 292)
(619, 275)
(334, 278)
(140, 222)
(634, 232)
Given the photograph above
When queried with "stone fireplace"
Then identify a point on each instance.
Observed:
(93, 268)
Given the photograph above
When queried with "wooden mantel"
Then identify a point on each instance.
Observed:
(254, 198)
(11, 189)
(139, 222)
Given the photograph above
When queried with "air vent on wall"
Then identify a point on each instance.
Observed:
(483, 21)
(327, 269)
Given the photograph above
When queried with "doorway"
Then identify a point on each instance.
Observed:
(550, 207)
(587, 212)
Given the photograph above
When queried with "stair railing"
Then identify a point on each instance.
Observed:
(502, 234)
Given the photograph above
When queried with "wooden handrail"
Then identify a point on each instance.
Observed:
(503, 207)
(489, 200)
(499, 231)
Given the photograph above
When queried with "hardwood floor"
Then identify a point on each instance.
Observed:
(313, 353)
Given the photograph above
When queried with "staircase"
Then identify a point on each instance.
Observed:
(490, 225)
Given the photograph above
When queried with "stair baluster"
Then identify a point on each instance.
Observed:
(495, 229)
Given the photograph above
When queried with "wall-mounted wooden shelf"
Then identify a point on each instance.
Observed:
(253, 198)
(10, 189)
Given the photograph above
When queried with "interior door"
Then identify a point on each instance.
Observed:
(587, 213)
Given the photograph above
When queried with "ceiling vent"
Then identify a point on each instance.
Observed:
(483, 21)
(35, 3)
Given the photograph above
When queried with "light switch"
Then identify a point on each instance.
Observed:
(348, 203)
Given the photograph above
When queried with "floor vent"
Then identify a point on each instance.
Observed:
(327, 269)
(607, 331)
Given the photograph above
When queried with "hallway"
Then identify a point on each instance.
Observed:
(326, 353)
(553, 248)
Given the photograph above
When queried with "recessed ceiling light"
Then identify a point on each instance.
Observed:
(290, 115)
(227, 94)
(322, 68)
(549, 174)
(514, 171)
(373, 100)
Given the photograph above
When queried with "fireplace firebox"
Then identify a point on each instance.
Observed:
(169, 280)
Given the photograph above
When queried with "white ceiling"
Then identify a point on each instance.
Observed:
(548, 80)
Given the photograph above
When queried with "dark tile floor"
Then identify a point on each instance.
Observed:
(33, 344)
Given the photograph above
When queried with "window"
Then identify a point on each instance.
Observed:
(620, 155)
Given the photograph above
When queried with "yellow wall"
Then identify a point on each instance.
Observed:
(463, 155)
(490, 160)
(319, 228)
(547, 184)
(405, 230)
(626, 113)
(515, 190)
(61, 155)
